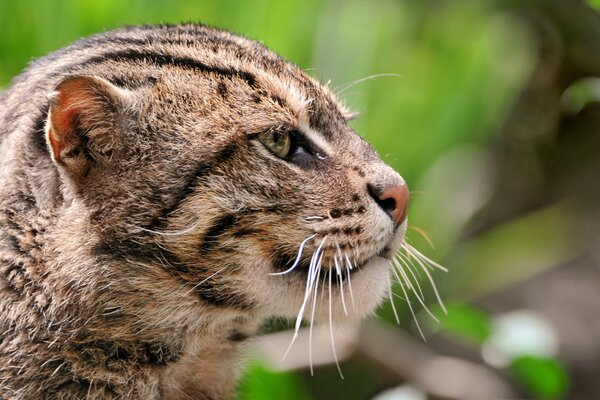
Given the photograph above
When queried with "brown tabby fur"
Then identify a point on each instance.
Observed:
(135, 249)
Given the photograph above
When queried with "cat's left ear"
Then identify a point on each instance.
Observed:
(84, 122)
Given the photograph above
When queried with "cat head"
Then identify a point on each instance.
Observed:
(232, 170)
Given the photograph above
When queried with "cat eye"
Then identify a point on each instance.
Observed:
(279, 143)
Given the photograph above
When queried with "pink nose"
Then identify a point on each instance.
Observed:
(394, 200)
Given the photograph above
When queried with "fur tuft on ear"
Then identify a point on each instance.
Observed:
(83, 117)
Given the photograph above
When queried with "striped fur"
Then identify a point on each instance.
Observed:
(138, 276)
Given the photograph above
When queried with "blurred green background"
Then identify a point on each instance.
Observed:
(489, 111)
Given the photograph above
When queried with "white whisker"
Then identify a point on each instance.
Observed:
(412, 312)
(315, 263)
(392, 300)
(406, 258)
(417, 254)
(181, 232)
(340, 283)
(314, 218)
(411, 286)
(348, 267)
(399, 258)
(298, 257)
(347, 86)
(433, 285)
(337, 363)
(312, 319)
(206, 279)
(403, 278)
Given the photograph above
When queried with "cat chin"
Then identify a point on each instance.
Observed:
(367, 289)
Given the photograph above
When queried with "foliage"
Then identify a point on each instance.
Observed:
(261, 383)
(544, 378)
(468, 322)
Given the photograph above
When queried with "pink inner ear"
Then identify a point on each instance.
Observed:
(63, 117)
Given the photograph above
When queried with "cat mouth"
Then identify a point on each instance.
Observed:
(341, 274)
(328, 255)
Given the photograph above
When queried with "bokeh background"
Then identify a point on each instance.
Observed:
(490, 111)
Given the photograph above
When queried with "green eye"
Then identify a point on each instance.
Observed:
(278, 142)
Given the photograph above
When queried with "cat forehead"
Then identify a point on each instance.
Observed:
(258, 100)
(213, 69)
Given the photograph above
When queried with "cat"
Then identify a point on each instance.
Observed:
(165, 190)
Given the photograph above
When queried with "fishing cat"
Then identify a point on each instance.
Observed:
(165, 189)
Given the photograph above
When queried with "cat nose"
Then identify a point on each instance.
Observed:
(392, 199)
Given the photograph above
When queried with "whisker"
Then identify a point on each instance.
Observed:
(412, 273)
(312, 319)
(417, 254)
(348, 267)
(337, 363)
(408, 282)
(206, 279)
(315, 262)
(298, 257)
(181, 232)
(421, 300)
(433, 285)
(340, 283)
(407, 260)
(314, 218)
(410, 307)
(347, 86)
(423, 234)
(392, 300)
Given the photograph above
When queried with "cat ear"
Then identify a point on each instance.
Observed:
(83, 120)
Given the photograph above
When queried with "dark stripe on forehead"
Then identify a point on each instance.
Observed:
(205, 40)
(166, 60)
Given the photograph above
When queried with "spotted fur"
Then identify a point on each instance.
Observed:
(136, 259)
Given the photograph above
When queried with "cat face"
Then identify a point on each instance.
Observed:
(242, 179)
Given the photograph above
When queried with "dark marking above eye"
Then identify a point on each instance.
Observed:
(222, 89)
(335, 213)
(278, 100)
(359, 171)
(348, 230)
(355, 197)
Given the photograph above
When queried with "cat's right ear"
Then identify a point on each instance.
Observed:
(84, 118)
